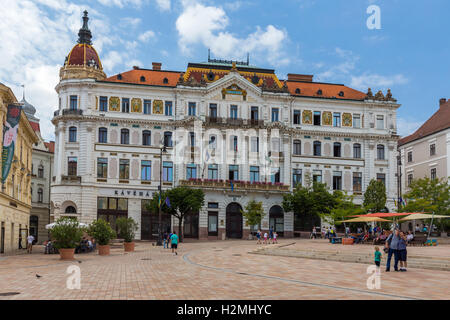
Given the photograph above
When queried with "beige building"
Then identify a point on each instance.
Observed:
(426, 152)
(15, 200)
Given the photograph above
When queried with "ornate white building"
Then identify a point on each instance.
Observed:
(247, 135)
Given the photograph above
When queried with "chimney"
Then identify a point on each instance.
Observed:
(442, 101)
(156, 65)
(300, 77)
(135, 67)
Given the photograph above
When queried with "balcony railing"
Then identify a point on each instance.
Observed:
(213, 120)
(235, 122)
(255, 122)
(238, 185)
(67, 112)
(76, 179)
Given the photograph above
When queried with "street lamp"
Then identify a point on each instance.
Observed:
(162, 149)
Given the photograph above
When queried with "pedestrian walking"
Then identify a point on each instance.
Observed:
(402, 251)
(265, 237)
(174, 242)
(165, 240)
(258, 236)
(392, 243)
(30, 240)
(270, 234)
(275, 235)
(377, 257)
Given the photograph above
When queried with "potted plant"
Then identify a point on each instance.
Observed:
(127, 229)
(67, 235)
(102, 232)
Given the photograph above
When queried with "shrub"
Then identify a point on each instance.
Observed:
(127, 228)
(101, 231)
(66, 233)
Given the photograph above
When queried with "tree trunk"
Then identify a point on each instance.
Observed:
(180, 229)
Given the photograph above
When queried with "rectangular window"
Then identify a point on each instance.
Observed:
(72, 166)
(296, 177)
(357, 151)
(213, 205)
(275, 177)
(73, 102)
(147, 106)
(122, 204)
(336, 119)
(275, 114)
(381, 177)
(124, 169)
(102, 203)
(410, 179)
(191, 171)
(213, 220)
(317, 118)
(167, 171)
(146, 170)
(433, 174)
(357, 182)
(102, 168)
(410, 156)
(213, 172)
(297, 117)
(432, 149)
(192, 139)
(233, 172)
(103, 104)
(233, 112)
(254, 144)
(337, 180)
(380, 122)
(317, 176)
(213, 110)
(168, 108)
(254, 113)
(356, 121)
(254, 174)
(192, 107)
(125, 105)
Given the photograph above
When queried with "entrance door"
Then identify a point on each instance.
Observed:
(34, 224)
(191, 225)
(234, 221)
(276, 220)
(2, 239)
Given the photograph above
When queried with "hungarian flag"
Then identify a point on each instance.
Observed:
(9, 138)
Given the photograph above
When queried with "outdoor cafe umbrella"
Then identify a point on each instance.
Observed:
(421, 216)
(51, 225)
(366, 219)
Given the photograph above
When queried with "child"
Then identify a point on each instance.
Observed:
(258, 235)
(377, 257)
(265, 237)
(275, 238)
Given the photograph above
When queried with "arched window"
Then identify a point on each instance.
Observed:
(165, 81)
(125, 136)
(380, 152)
(142, 79)
(102, 135)
(357, 151)
(70, 209)
(317, 148)
(297, 91)
(40, 195)
(297, 147)
(168, 139)
(146, 138)
(41, 171)
(73, 134)
(337, 149)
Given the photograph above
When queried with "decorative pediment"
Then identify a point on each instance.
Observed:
(234, 89)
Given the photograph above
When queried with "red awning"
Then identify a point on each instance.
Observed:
(387, 214)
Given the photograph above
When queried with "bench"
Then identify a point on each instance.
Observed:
(418, 240)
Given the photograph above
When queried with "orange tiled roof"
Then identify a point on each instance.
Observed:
(50, 146)
(35, 126)
(438, 122)
(151, 77)
(310, 89)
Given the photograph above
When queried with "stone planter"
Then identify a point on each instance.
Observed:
(67, 254)
(347, 241)
(129, 246)
(104, 250)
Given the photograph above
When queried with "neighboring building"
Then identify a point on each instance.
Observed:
(15, 200)
(426, 152)
(41, 173)
(109, 131)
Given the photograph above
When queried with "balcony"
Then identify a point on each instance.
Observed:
(256, 122)
(235, 122)
(213, 120)
(71, 179)
(237, 185)
(70, 112)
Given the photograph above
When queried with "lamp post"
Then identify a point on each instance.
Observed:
(162, 149)
(399, 182)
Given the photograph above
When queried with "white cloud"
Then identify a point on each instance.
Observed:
(348, 64)
(146, 36)
(111, 60)
(121, 3)
(130, 21)
(163, 5)
(405, 127)
(377, 81)
(265, 42)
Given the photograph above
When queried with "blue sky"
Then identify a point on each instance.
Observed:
(329, 39)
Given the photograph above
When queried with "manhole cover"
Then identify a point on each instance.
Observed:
(5, 294)
(146, 259)
(237, 255)
(243, 273)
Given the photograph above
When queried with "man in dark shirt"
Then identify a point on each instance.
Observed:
(392, 243)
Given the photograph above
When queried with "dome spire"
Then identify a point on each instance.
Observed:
(85, 35)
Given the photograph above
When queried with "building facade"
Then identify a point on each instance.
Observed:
(426, 152)
(15, 200)
(232, 129)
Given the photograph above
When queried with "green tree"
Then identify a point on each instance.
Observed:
(66, 233)
(375, 196)
(101, 231)
(344, 207)
(182, 201)
(127, 228)
(253, 213)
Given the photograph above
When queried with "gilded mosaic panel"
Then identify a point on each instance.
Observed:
(346, 119)
(327, 118)
(114, 104)
(158, 107)
(136, 105)
(307, 116)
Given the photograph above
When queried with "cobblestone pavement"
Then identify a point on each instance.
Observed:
(212, 270)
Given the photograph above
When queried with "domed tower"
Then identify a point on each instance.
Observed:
(83, 61)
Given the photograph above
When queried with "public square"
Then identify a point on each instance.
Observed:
(223, 270)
